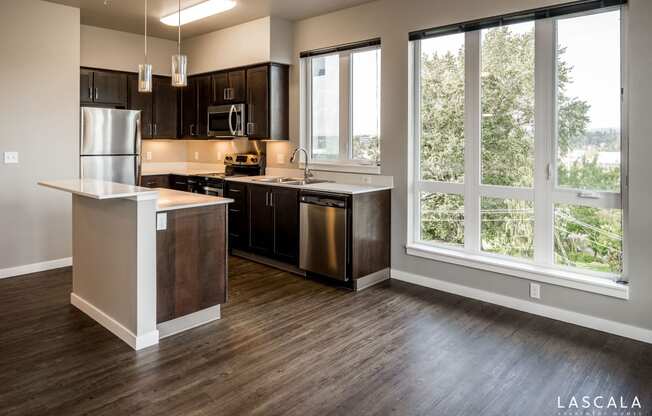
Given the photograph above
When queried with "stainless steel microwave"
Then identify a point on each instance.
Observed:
(226, 120)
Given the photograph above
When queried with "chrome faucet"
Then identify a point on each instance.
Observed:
(306, 170)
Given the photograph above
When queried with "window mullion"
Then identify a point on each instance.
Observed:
(345, 106)
(544, 143)
(472, 111)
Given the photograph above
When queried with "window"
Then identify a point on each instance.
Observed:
(341, 108)
(518, 142)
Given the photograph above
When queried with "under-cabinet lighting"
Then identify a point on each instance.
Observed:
(198, 11)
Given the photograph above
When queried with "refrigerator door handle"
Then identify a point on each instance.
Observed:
(137, 170)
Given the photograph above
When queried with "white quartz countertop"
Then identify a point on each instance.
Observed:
(171, 200)
(179, 171)
(96, 189)
(334, 187)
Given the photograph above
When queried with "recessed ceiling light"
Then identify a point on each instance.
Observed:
(198, 11)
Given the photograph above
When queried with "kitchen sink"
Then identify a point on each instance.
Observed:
(290, 181)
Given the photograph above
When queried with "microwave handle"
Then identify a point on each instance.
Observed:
(233, 132)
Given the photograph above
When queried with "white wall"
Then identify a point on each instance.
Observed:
(122, 51)
(39, 118)
(392, 21)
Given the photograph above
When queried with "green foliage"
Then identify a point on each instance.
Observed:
(584, 237)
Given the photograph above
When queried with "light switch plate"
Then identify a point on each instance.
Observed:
(148, 156)
(161, 221)
(11, 158)
(535, 291)
(196, 155)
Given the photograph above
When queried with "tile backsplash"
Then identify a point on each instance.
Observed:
(191, 151)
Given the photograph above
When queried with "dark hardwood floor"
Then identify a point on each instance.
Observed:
(288, 346)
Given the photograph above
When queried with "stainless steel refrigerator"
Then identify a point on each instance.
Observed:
(110, 145)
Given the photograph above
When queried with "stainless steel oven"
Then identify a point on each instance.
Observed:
(226, 120)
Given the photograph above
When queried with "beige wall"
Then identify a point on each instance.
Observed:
(392, 21)
(199, 151)
(39, 118)
(121, 51)
(240, 45)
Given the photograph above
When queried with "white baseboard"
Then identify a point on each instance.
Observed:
(35, 267)
(189, 321)
(135, 342)
(600, 324)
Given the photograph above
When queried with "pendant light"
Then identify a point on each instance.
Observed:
(179, 62)
(145, 70)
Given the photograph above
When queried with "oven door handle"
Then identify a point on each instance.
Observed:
(231, 111)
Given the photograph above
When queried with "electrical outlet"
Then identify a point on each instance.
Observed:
(196, 155)
(161, 221)
(148, 156)
(219, 155)
(535, 291)
(11, 158)
(366, 180)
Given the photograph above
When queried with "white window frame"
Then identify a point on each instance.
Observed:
(345, 162)
(541, 267)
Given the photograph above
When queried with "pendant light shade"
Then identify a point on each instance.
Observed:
(179, 61)
(144, 78)
(145, 70)
(179, 70)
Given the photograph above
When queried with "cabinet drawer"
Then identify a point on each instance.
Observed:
(155, 181)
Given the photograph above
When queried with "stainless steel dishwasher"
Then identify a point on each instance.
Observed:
(323, 248)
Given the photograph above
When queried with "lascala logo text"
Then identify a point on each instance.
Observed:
(598, 402)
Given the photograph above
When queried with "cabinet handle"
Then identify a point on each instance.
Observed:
(97, 94)
(155, 129)
(150, 129)
(90, 93)
(267, 198)
(271, 199)
(191, 127)
(225, 94)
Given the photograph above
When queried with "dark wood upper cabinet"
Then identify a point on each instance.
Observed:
(165, 108)
(103, 87)
(268, 102)
(86, 86)
(204, 95)
(189, 109)
(159, 109)
(229, 87)
(285, 202)
(261, 219)
(195, 100)
(143, 102)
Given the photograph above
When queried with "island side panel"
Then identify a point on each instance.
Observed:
(371, 232)
(105, 263)
(191, 261)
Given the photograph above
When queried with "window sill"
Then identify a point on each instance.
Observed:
(343, 168)
(551, 276)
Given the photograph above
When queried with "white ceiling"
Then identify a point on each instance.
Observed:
(128, 15)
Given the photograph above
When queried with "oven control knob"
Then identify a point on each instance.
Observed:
(254, 159)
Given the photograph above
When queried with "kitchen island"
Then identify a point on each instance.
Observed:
(147, 263)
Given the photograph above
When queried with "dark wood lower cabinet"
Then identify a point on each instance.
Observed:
(261, 219)
(238, 215)
(191, 261)
(155, 181)
(285, 202)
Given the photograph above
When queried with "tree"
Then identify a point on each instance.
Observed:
(585, 237)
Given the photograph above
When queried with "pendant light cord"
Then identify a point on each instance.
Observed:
(179, 35)
(145, 31)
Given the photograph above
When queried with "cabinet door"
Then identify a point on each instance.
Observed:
(220, 87)
(86, 86)
(110, 88)
(155, 181)
(189, 109)
(237, 86)
(238, 219)
(204, 97)
(179, 183)
(165, 108)
(261, 219)
(286, 224)
(258, 103)
(142, 102)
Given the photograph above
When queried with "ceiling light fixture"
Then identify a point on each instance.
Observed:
(145, 70)
(198, 11)
(179, 62)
